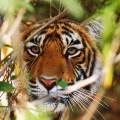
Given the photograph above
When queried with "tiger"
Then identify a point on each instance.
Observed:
(66, 51)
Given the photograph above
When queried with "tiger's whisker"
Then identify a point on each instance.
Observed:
(85, 105)
(69, 104)
(84, 102)
(90, 97)
(93, 97)
(87, 101)
(75, 102)
(81, 97)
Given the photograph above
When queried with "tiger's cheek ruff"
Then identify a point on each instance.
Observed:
(62, 52)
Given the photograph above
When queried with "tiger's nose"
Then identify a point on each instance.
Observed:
(48, 83)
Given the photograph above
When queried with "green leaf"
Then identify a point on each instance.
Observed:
(12, 6)
(74, 7)
(5, 60)
(62, 83)
(13, 77)
(29, 76)
(26, 4)
(6, 86)
(36, 114)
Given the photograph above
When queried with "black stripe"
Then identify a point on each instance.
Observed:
(58, 36)
(59, 43)
(46, 39)
(76, 42)
(67, 41)
(89, 61)
(32, 40)
(57, 26)
(35, 40)
(83, 60)
(32, 81)
(65, 23)
(67, 33)
(82, 72)
(83, 42)
(78, 78)
(66, 29)
(93, 62)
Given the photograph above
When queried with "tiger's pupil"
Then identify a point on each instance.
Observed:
(35, 49)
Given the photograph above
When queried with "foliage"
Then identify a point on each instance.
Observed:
(11, 6)
(27, 114)
(6, 87)
(62, 83)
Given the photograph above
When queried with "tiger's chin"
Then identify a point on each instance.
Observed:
(49, 105)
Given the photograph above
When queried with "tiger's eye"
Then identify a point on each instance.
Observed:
(35, 49)
(72, 50)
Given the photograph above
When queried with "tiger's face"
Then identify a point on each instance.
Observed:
(61, 51)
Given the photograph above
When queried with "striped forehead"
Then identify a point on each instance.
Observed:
(72, 38)
(67, 36)
(36, 40)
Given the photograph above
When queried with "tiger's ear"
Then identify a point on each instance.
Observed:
(95, 28)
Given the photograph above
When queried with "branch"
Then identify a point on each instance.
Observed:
(59, 16)
(5, 58)
(81, 84)
(8, 63)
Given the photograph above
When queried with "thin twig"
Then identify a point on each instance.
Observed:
(5, 58)
(8, 63)
(1, 94)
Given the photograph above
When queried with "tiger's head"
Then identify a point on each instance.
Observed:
(63, 51)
